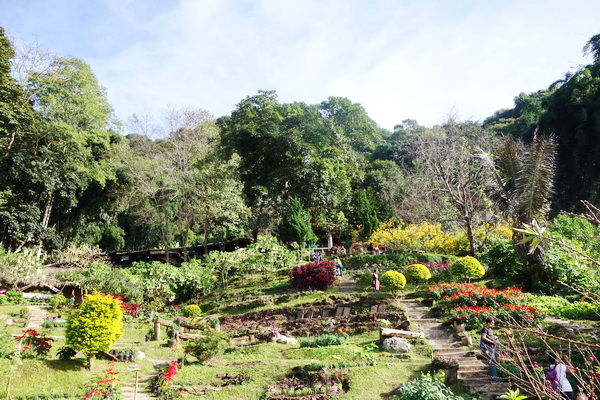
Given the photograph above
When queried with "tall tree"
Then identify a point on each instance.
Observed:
(449, 160)
(66, 151)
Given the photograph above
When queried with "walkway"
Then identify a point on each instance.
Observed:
(472, 371)
(347, 285)
(37, 316)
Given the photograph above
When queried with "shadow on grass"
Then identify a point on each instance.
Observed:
(76, 364)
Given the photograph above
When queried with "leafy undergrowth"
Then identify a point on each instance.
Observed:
(244, 371)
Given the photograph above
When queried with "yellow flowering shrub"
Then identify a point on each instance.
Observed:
(432, 239)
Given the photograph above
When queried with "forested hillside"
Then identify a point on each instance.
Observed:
(72, 175)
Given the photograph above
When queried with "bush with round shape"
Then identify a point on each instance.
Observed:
(59, 301)
(394, 281)
(14, 297)
(313, 276)
(467, 268)
(95, 326)
(206, 347)
(191, 311)
(417, 273)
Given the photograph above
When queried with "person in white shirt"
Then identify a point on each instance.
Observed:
(561, 374)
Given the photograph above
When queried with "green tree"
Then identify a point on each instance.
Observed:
(296, 224)
(65, 153)
(95, 326)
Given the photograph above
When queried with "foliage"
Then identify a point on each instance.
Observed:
(210, 345)
(425, 387)
(563, 308)
(14, 297)
(96, 325)
(319, 276)
(192, 310)
(31, 343)
(393, 260)
(394, 281)
(431, 238)
(106, 386)
(20, 268)
(66, 353)
(296, 225)
(417, 273)
(334, 339)
(467, 268)
(503, 261)
(470, 304)
(58, 301)
(513, 395)
(445, 362)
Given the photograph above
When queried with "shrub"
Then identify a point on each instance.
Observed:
(96, 325)
(467, 268)
(328, 339)
(14, 296)
(66, 353)
(2, 300)
(319, 276)
(191, 311)
(58, 301)
(417, 273)
(394, 281)
(503, 261)
(561, 307)
(425, 387)
(206, 348)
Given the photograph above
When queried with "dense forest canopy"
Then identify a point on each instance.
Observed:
(72, 175)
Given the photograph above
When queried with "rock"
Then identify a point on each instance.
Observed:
(396, 345)
(286, 340)
(467, 340)
(9, 321)
(140, 355)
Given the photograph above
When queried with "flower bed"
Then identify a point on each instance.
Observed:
(445, 362)
(471, 303)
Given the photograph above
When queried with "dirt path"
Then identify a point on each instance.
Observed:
(473, 372)
(37, 316)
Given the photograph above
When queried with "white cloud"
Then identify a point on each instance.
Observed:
(399, 60)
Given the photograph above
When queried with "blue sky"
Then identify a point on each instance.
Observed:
(400, 59)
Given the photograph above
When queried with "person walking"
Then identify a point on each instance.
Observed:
(488, 344)
(375, 281)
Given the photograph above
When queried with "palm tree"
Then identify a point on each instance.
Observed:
(520, 180)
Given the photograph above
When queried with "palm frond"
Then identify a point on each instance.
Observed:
(535, 181)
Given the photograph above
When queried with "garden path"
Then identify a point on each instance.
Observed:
(347, 284)
(143, 391)
(37, 316)
(473, 372)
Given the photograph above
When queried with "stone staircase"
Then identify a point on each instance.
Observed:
(128, 389)
(472, 371)
(347, 284)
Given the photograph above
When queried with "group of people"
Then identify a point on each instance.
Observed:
(488, 345)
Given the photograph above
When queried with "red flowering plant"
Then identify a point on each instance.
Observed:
(313, 276)
(472, 316)
(105, 387)
(31, 343)
(128, 309)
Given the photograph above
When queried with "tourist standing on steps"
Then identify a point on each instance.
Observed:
(561, 375)
(375, 282)
(487, 344)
